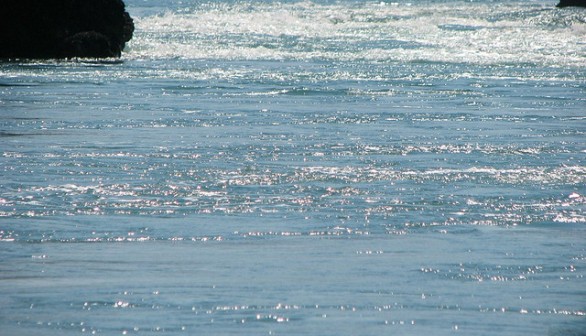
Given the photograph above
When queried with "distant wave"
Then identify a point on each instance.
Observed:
(461, 32)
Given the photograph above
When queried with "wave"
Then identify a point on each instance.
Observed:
(518, 33)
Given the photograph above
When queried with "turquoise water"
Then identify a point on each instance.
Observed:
(301, 168)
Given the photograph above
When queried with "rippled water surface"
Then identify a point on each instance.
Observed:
(301, 168)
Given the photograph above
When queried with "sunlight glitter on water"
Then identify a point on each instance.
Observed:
(301, 168)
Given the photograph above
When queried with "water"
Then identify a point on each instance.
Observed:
(301, 168)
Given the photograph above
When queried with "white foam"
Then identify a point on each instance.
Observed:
(458, 32)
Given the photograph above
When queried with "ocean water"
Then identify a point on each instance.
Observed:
(301, 168)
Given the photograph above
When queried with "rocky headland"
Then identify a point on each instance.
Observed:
(572, 3)
(45, 29)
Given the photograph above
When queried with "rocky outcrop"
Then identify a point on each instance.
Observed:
(41, 29)
(569, 3)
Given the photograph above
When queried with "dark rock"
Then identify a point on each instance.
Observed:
(63, 28)
(569, 3)
(88, 44)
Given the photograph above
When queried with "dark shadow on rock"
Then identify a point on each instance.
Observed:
(88, 44)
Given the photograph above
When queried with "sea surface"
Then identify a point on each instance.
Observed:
(302, 168)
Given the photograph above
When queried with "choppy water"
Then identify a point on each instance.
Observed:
(302, 168)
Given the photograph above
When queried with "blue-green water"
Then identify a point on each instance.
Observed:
(301, 168)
